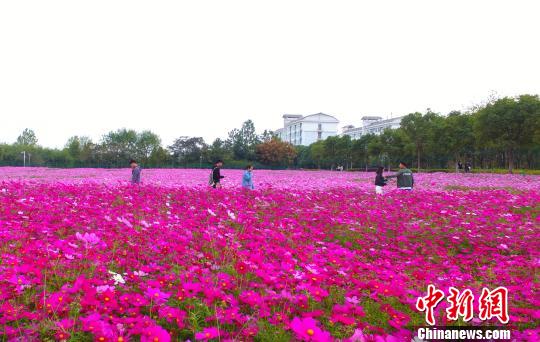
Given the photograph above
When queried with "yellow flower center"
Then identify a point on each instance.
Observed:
(310, 332)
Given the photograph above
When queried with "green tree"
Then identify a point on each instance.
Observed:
(243, 141)
(188, 149)
(27, 138)
(458, 136)
(508, 124)
(420, 130)
(146, 144)
(117, 147)
(360, 150)
(218, 150)
(317, 151)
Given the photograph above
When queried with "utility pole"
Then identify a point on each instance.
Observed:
(24, 158)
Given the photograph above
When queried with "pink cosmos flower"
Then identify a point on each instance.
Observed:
(173, 315)
(358, 336)
(89, 239)
(306, 329)
(207, 334)
(156, 295)
(155, 334)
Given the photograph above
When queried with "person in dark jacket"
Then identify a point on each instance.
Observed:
(216, 174)
(468, 167)
(380, 181)
(135, 172)
(405, 179)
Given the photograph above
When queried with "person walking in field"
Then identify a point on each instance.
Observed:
(405, 179)
(135, 172)
(247, 178)
(380, 181)
(215, 176)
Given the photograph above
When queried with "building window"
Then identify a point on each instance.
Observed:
(319, 135)
(320, 127)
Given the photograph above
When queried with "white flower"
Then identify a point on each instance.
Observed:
(118, 279)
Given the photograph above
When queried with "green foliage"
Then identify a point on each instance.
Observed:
(503, 133)
(509, 124)
(27, 138)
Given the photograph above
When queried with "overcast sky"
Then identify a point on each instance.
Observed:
(201, 68)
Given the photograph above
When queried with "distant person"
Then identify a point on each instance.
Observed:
(247, 178)
(135, 172)
(468, 167)
(405, 179)
(380, 181)
(460, 166)
(215, 176)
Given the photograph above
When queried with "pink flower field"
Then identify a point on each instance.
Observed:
(313, 256)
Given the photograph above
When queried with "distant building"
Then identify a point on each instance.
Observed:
(305, 130)
(371, 125)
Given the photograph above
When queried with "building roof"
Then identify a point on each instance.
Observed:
(353, 129)
(382, 122)
(302, 118)
(371, 118)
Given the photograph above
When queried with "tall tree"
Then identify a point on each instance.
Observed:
(243, 141)
(360, 150)
(218, 150)
(458, 136)
(27, 138)
(317, 151)
(147, 143)
(73, 147)
(420, 129)
(117, 147)
(508, 124)
(188, 149)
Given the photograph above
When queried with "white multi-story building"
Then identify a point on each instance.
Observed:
(305, 130)
(371, 125)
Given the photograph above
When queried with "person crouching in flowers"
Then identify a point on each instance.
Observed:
(247, 178)
(380, 181)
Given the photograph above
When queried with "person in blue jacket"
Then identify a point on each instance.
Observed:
(247, 178)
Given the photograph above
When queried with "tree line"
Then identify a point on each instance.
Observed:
(242, 146)
(502, 133)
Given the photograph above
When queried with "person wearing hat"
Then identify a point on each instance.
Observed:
(405, 179)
